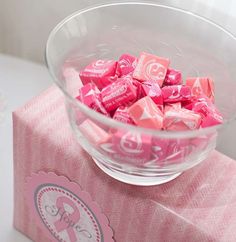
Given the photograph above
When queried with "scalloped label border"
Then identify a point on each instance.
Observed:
(64, 212)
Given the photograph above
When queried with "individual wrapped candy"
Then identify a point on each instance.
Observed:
(93, 132)
(201, 85)
(137, 85)
(90, 96)
(181, 119)
(153, 90)
(100, 72)
(173, 106)
(122, 115)
(128, 147)
(173, 77)
(176, 93)
(159, 149)
(118, 93)
(145, 113)
(177, 150)
(126, 65)
(208, 111)
(139, 88)
(151, 68)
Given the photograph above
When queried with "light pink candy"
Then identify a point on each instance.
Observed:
(173, 77)
(176, 93)
(177, 150)
(100, 72)
(126, 65)
(159, 149)
(122, 115)
(201, 85)
(117, 94)
(151, 68)
(93, 132)
(90, 96)
(172, 106)
(145, 113)
(181, 119)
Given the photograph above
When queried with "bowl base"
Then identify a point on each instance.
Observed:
(134, 179)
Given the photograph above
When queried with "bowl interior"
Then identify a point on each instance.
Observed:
(194, 45)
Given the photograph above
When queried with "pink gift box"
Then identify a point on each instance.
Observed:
(197, 206)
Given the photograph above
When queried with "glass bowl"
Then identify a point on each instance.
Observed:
(194, 45)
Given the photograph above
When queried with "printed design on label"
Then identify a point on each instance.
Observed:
(154, 70)
(64, 212)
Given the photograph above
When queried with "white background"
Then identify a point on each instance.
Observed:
(24, 27)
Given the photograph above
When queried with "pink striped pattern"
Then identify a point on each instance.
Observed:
(200, 205)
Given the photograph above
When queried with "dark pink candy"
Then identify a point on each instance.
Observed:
(90, 96)
(100, 72)
(126, 65)
(118, 93)
(176, 93)
(173, 77)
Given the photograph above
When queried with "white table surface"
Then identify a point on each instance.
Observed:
(19, 81)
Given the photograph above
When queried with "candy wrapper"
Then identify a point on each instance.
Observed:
(90, 96)
(208, 111)
(154, 92)
(176, 93)
(122, 115)
(201, 86)
(173, 77)
(129, 147)
(118, 93)
(126, 65)
(145, 113)
(93, 132)
(151, 68)
(100, 72)
(181, 119)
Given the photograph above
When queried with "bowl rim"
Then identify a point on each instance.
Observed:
(114, 123)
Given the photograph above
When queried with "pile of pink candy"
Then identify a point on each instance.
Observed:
(145, 92)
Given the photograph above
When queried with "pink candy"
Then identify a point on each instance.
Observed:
(90, 96)
(176, 93)
(122, 115)
(209, 113)
(126, 65)
(128, 147)
(118, 93)
(145, 113)
(93, 132)
(153, 90)
(201, 85)
(151, 68)
(177, 150)
(132, 147)
(137, 91)
(181, 119)
(139, 87)
(100, 72)
(159, 149)
(173, 77)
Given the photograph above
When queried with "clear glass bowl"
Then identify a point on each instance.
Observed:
(194, 45)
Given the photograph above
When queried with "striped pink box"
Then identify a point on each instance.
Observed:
(199, 205)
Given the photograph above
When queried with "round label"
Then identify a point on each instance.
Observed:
(64, 211)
